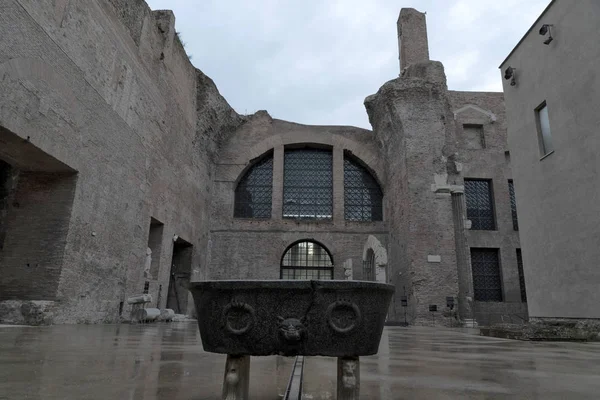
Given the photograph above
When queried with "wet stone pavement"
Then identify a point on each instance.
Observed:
(166, 361)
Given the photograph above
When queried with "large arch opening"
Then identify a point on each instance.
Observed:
(306, 260)
(363, 197)
(254, 191)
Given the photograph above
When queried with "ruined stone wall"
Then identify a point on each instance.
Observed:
(491, 160)
(106, 88)
(411, 116)
(426, 136)
(253, 248)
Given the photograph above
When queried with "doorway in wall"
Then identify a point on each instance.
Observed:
(181, 270)
(36, 198)
(155, 236)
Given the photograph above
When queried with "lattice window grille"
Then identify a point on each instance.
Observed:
(480, 208)
(305, 261)
(487, 283)
(363, 197)
(521, 276)
(253, 195)
(308, 184)
(513, 205)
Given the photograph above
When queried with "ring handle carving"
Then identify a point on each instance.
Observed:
(343, 316)
(239, 317)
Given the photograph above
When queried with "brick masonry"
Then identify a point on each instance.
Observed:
(109, 125)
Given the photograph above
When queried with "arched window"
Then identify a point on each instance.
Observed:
(254, 191)
(369, 266)
(362, 194)
(306, 260)
(308, 184)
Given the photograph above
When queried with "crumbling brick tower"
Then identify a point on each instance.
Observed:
(412, 117)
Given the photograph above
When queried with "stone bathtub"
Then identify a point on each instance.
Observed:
(342, 319)
(310, 318)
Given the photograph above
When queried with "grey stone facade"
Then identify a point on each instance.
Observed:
(109, 125)
(106, 124)
(556, 191)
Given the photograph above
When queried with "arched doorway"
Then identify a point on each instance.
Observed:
(306, 259)
(374, 261)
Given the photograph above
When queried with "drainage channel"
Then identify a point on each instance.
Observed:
(294, 387)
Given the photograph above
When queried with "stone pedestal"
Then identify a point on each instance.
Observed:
(236, 382)
(348, 378)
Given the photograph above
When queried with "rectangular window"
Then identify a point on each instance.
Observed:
(308, 184)
(480, 204)
(487, 283)
(513, 204)
(474, 138)
(543, 126)
(521, 276)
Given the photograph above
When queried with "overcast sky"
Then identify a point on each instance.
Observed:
(314, 61)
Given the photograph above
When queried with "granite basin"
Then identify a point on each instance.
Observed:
(291, 317)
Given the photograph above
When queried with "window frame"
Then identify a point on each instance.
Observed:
(481, 129)
(500, 278)
(331, 205)
(545, 141)
(268, 156)
(492, 203)
(374, 189)
(513, 204)
(330, 268)
(521, 272)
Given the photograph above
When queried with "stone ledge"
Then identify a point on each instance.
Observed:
(548, 329)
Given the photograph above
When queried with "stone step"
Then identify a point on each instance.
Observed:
(470, 323)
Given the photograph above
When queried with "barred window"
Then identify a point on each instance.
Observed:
(369, 266)
(254, 192)
(513, 205)
(306, 260)
(487, 284)
(308, 184)
(362, 194)
(480, 205)
(521, 276)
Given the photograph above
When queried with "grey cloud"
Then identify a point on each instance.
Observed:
(315, 61)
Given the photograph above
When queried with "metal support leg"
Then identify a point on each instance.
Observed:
(348, 378)
(236, 381)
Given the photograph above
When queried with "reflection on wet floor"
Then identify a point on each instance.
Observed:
(167, 362)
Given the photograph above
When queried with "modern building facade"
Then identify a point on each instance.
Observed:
(123, 170)
(552, 87)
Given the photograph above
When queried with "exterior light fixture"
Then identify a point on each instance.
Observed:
(450, 303)
(547, 29)
(510, 74)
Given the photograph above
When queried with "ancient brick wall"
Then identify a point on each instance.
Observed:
(106, 88)
(37, 229)
(252, 248)
(491, 161)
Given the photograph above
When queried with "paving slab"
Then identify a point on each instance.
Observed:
(166, 361)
